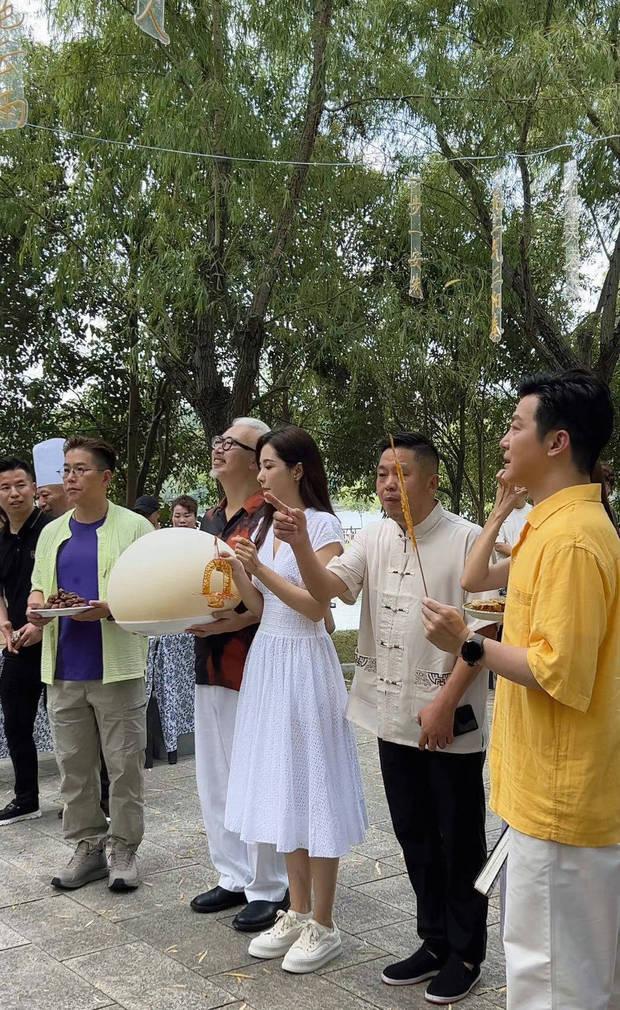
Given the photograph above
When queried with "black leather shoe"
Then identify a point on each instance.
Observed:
(217, 899)
(259, 915)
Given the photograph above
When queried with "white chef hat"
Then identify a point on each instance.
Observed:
(49, 459)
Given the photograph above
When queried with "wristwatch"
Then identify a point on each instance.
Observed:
(472, 650)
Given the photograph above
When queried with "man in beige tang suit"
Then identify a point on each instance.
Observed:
(413, 697)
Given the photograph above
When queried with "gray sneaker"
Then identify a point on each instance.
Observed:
(87, 863)
(123, 867)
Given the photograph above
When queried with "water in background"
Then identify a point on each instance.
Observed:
(346, 617)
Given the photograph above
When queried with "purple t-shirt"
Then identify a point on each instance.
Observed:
(79, 655)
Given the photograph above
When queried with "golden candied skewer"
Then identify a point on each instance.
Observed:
(216, 600)
(404, 504)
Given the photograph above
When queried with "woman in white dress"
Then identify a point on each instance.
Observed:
(294, 778)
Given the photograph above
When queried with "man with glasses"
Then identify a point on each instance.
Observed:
(94, 671)
(252, 874)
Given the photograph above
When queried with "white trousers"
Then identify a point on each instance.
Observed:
(562, 926)
(256, 869)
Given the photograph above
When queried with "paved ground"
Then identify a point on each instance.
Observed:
(148, 951)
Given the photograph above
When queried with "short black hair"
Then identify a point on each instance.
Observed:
(14, 463)
(187, 502)
(147, 505)
(103, 452)
(578, 402)
(419, 444)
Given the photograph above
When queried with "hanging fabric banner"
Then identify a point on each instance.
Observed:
(571, 226)
(415, 233)
(149, 17)
(13, 105)
(496, 259)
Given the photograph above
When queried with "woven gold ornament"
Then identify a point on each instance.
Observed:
(415, 233)
(571, 226)
(149, 17)
(13, 104)
(496, 259)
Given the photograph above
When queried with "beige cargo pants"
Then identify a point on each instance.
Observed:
(84, 717)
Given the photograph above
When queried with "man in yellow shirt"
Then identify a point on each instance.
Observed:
(555, 748)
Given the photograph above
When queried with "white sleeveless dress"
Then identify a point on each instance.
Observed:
(294, 777)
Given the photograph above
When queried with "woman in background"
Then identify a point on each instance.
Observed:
(170, 666)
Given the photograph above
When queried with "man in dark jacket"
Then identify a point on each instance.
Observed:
(20, 680)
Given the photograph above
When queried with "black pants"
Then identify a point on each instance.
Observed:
(438, 811)
(20, 690)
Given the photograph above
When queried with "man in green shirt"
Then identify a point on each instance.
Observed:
(94, 671)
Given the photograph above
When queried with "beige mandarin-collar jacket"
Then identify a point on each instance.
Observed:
(397, 670)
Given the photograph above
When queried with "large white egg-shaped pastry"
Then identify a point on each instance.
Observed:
(155, 587)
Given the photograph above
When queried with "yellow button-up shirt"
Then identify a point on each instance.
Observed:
(555, 753)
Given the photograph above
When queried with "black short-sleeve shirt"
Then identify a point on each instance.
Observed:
(16, 564)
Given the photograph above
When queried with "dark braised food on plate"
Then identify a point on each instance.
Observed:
(62, 599)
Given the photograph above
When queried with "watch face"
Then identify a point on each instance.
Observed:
(472, 651)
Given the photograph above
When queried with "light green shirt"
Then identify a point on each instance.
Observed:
(124, 655)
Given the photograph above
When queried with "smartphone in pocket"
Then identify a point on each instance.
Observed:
(464, 720)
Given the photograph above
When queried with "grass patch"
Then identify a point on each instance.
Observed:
(345, 642)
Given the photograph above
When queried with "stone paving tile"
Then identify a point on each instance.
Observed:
(17, 886)
(181, 840)
(9, 938)
(378, 844)
(160, 890)
(32, 980)
(355, 950)
(358, 869)
(140, 978)
(32, 851)
(267, 987)
(357, 913)
(153, 858)
(400, 939)
(62, 927)
(394, 890)
(397, 861)
(172, 801)
(204, 943)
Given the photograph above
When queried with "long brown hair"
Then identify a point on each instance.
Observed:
(294, 445)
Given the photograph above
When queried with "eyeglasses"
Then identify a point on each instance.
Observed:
(227, 443)
(79, 471)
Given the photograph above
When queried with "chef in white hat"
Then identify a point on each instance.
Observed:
(49, 459)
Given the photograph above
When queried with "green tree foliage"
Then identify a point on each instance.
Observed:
(155, 296)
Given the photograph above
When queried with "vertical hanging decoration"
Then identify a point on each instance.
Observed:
(496, 259)
(13, 105)
(149, 17)
(571, 226)
(415, 232)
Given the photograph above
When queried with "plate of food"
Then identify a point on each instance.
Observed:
(491, 610)
(64, 604)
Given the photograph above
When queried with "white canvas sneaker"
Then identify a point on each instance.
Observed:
(276, 941)
(316, 946)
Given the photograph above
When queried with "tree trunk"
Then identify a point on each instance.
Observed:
(134, 411)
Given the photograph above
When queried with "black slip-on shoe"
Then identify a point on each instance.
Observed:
(422, 965)
(453, 983)
(259, 915)
(217, 899)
